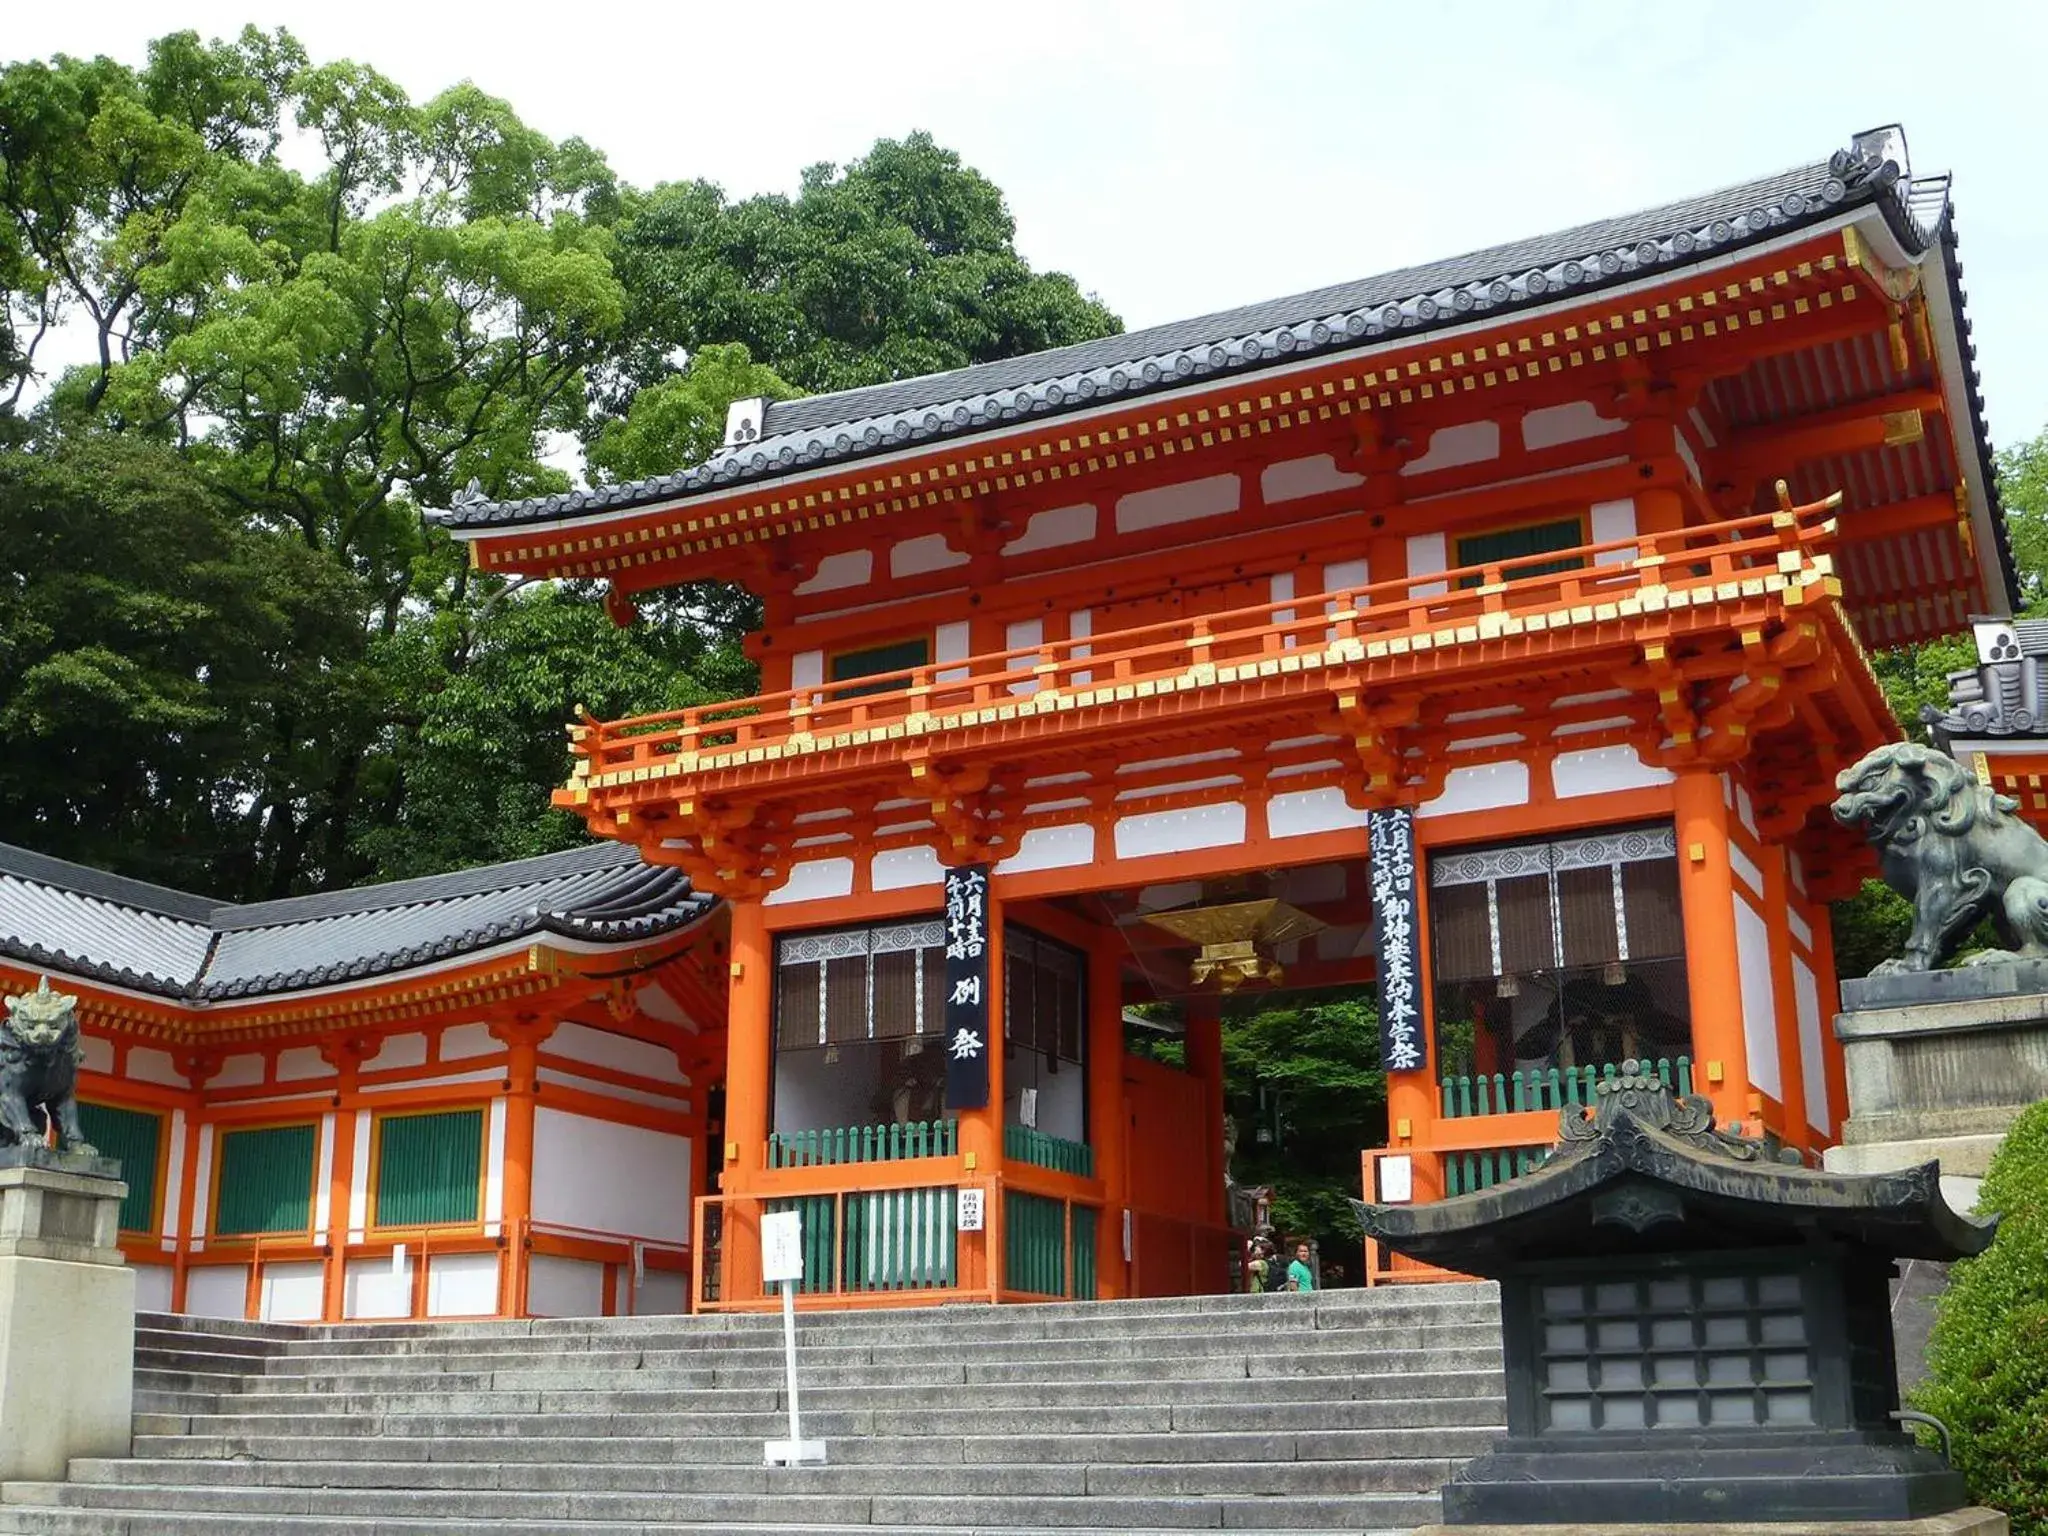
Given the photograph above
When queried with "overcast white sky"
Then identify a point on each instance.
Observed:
(1178, 158)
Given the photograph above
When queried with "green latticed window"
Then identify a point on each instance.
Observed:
(135, 1137)
(429, 1169)
(1509, 543)
(265, 1182)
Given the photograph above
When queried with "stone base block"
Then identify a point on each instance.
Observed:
(67, 1364)
(1961, 1522)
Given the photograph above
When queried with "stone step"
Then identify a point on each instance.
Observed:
(1459, 1441)
(22, 1521)
(1328, 1478)
(471, 1508)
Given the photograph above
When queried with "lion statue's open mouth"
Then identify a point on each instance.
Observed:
(1952, 847)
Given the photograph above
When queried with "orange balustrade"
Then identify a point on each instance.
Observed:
(1691, 568)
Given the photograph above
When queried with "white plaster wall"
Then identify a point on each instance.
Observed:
(1019, 635)
(1181, 503)
(557, 1287)
(373, 1288)
(1469, 442)
(1054, 527)
(610, 1178)
(1687, 457)
(1344, 576)
(926, 552)
(359, 1176)
(323, 1178)
(301, 1062)
(1745, 869)
(202, 1182)
(462, 1040)
(292, 1292)
(1604, 771)
(217, 1290)
(1759, 1000)
(814, 880)
(96, 1053)
(849, 568)
(1300, 812)
(1482, 787)
(174, 1174)
(146, 1065)
(244, 1071)
(1059, 847)
(896, 869)
(1205, 826)
(807, 669)
(1291, 478)
(1572, 422)
(153, 1287)
(1812, 1067)
(1613, 520)
(398, 1051)
(1427, 552)
(949, 643)
(661, 1293)
(462, 1285)
(494, 1168)
(602, 1048)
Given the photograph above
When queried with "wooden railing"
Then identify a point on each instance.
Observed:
(1507, 1093)
(1022, 1144)
(1341, 626)
(863, 1144)
(1048, 1247)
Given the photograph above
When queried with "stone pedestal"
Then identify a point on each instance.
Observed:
(1940, 1063)
(1961, 1522)
(67, 1314)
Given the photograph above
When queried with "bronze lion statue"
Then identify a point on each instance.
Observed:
(1952, 848)
(39, 1056)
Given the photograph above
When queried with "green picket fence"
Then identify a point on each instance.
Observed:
(864, 1144)
(894, 1240)
(1503, 1093)
(1022, 1144)
(1482, 1168)
(1036, 1236)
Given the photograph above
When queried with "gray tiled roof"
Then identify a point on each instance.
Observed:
(798, 435)
(87, 923)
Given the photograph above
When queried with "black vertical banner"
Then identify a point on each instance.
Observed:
(969, 1038)
(1390, 840)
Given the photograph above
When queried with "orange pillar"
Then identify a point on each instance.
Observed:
(1659, 510)
(749, 1080)
(1706, 887)
(1792, 1064)
(522, 1036)
(346, 1056)
(1835, 1065)
(981, 1130)
(1109, 1117)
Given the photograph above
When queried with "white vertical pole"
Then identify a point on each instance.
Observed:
(789, 1354)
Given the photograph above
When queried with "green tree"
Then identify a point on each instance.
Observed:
(681, 420)
(901, 263)
(160, 662)
(1988, 1356)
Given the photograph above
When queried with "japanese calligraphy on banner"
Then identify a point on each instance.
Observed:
(969, 1035)
(1390, 840)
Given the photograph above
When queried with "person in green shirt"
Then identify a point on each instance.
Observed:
(1301, 1274)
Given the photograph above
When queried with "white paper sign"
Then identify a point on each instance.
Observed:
(782, 1246)
(970, 1210)
(1397, 1180)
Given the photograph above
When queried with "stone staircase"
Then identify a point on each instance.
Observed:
(1307, 1415)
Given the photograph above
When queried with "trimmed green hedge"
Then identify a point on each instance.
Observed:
(1988, 1358)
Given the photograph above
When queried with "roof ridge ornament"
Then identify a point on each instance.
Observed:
(1640, 1095)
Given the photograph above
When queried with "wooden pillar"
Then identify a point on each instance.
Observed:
(346, 1056)
(749, 1081)
(522, 1036)
(1205, 1064)
(1793, 1066)
(198, 1067)
(1835, 1065)
(1109, 1116)
(1706, 887)
(1659, 510)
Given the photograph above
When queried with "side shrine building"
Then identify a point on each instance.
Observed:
(1490, 632)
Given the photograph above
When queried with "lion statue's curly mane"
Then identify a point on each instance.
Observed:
(1950, 846)
(39, 1056)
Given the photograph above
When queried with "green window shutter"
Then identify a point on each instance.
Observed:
(135, 1137)
(265, 1181)
(1510, 543)
(897, 656)
(429, 1169)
